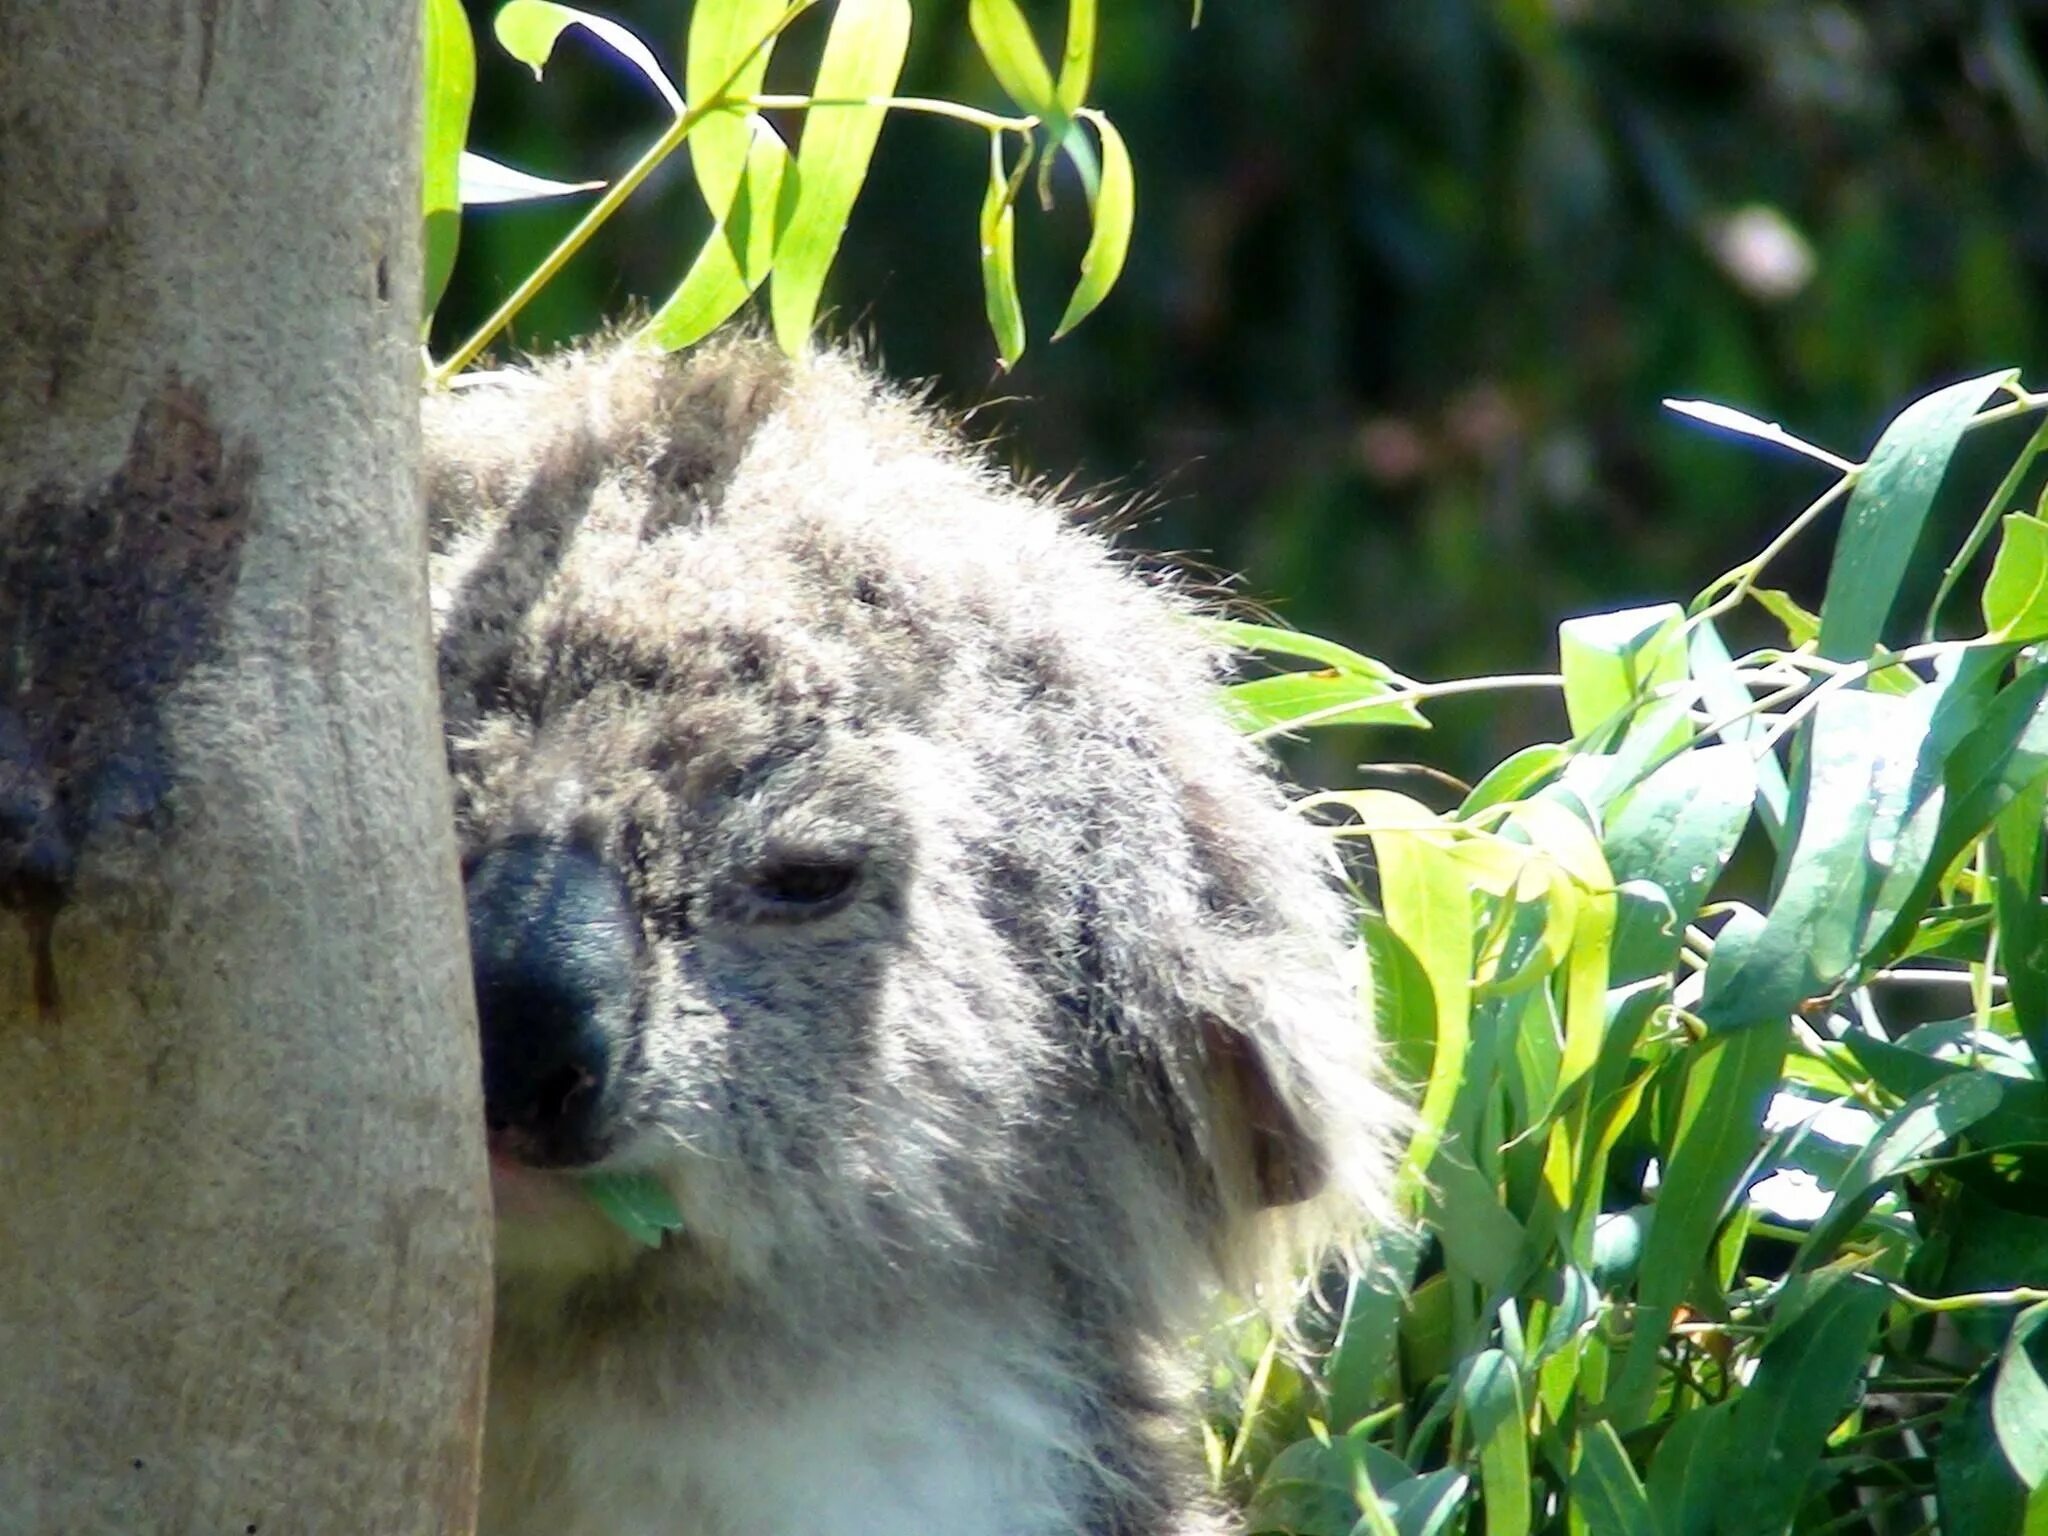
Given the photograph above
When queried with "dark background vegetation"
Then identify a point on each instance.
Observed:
(1409, 280)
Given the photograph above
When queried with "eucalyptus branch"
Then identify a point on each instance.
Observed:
(615, 195)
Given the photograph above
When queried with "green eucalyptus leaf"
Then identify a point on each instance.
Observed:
(2016, 593)
(1611, 661)
(999, 257)
(1077, 58)
(1730, 704)
(1934, 1115)
(1728, 1084)
(1293, 701)
(529, 30)
(1975, 1486)
(638, 1203)
(1677, 830)
(1490, 1391)
(1112, 210)
(1887, 510)
(727, 54)
(736, 256)
(863, 58)
(1809, 1374)
(1013, 58)
(1606, 1492)
(2019, 1397)
(448, 89)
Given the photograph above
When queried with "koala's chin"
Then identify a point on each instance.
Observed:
(855, 843)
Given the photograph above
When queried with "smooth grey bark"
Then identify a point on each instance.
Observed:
(243, 1199)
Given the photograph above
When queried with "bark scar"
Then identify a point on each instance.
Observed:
(111, 595)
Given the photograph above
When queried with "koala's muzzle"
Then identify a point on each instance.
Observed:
(553, 945)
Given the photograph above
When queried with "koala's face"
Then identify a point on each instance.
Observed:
(854, 844)
(720, 844)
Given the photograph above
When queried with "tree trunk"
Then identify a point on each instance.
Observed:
(244, 1259)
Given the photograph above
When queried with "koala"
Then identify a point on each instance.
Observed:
(854, 843)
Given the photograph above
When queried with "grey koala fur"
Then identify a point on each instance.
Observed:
(928, 932)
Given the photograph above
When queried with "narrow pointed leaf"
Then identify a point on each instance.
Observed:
(1728, 1083)
(1495, 1415)
(487, 181)
(1936, 1114)
(1291, 701)
(2019, 1397)
(728, 50)
(1809, 1374)
(863, 57)
(1077, 58)
(736, 256)
(639, 1203)
(448, 63)
(1006, 43)
(529, 30)
(1113, 209)
(1887, 511)
(1606, 1492)
(999, 258)
(2016, 593)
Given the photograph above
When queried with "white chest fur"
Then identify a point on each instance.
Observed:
(915, 1437)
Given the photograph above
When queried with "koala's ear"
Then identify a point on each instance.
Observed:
(1255, 1122)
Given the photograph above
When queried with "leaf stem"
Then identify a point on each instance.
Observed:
(1986, 521)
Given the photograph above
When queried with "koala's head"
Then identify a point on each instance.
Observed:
(853, 843)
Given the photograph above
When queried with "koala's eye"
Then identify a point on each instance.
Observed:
(792, 890)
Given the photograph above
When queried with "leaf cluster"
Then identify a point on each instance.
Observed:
(1716, 1233)
(779, 213)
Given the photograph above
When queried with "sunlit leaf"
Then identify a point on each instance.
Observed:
(1290, 701)
(730, 44)
(1112, 208)
(1270, 640)
(448, 63)
(735, 257)
(1611, 661)
(1077, 57)
(1006, 43)
(999, 257)
(486, 181)
(1887, 511)
(529, 30)
(2016, 593)
(863, 57)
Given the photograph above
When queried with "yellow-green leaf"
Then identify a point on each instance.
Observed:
(999, 257)
(728, 50)
(1113, 210)
(863, 57)
(1013, 57)
(1077, 59)
(2016, 595)
(529, 30)
(737, 254)
(448, 61)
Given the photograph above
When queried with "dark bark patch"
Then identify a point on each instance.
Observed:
(110, 597)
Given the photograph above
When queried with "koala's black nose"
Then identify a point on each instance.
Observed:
(552, 942)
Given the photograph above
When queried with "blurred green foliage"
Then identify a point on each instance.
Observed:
(1410, 279)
